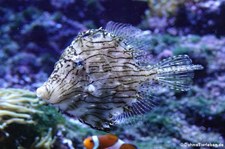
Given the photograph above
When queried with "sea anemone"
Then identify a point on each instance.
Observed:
(16, 106)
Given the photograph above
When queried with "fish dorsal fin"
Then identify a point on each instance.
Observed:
(132, 36)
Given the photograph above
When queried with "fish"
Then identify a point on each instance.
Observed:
(99, 81)
(108, 141)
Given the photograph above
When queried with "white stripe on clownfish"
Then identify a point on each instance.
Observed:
(96, 142)
(117, 145)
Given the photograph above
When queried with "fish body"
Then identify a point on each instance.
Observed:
(98, 80)
(107, 141)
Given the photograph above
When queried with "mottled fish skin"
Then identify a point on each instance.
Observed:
(97, 79)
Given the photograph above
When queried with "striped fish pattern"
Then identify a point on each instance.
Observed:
(99, 81)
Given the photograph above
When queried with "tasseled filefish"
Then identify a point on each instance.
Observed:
(97, 78)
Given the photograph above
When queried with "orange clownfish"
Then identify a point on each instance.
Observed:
(108, 141)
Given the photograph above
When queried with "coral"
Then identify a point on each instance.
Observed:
(61, 3)
(164, 8)
(191, 119)
(20, 50)
(185, 16)
(16, 106)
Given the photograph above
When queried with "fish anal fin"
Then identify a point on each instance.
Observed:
(135, 112)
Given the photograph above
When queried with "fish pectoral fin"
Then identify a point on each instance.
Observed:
(176, 72)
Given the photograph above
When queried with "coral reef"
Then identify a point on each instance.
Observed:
(186, 16)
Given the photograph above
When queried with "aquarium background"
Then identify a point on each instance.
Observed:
(33, 34)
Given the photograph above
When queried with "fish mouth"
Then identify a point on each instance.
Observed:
(42, 93)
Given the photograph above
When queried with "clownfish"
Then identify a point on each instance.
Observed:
(107, 141)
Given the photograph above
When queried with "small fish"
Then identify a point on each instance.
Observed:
(107, 141)
(99, 80)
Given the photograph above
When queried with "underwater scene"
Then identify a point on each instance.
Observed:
(112, 74)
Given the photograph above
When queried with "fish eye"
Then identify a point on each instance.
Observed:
(78, 63)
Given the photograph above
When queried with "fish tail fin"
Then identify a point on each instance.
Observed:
(176, 72)
(128, 146)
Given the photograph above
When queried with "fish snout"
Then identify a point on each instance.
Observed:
(42, 93)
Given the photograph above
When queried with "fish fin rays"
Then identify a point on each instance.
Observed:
(135, 112)
(176, 72)
(132, 36)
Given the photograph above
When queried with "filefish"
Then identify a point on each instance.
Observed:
(99, 80)
(107, 141)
